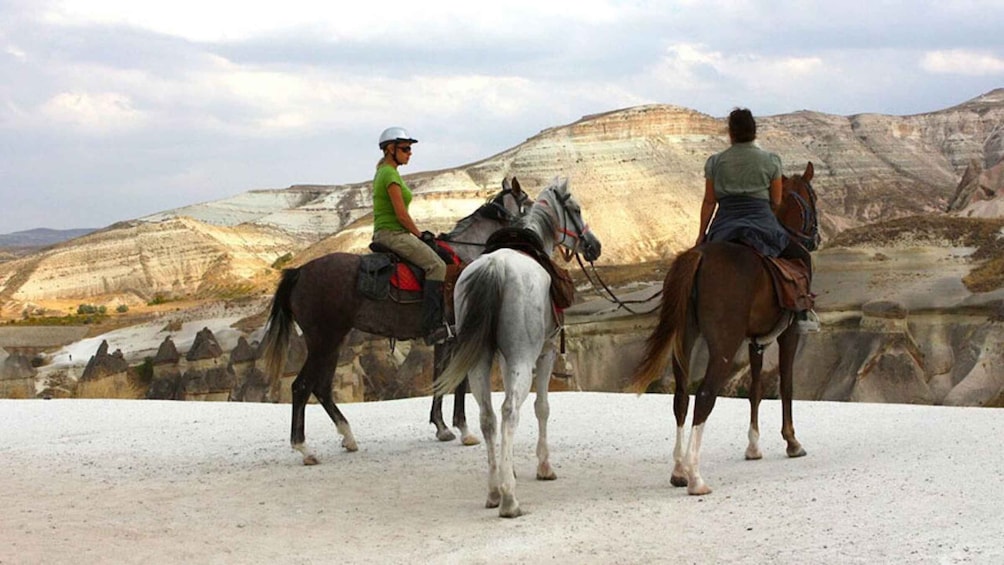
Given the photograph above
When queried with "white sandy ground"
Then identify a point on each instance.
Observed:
(112, 481)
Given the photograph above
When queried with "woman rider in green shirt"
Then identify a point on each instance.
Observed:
(394, 228)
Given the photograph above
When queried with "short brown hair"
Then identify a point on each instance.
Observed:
(742, 126)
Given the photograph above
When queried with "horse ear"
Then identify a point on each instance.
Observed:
(809, 171)
(506, 185)
(515, 185)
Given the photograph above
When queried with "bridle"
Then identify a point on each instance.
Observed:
(562, 232)
(808, 235)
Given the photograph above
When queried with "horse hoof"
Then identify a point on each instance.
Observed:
(699, 490)
(445, 435)
(493, 501)
(350, 446)
(310, 460)
(798, 452)
(677, 481)
(547, 475)
(753, 455)
(470, 440)
(511, 514)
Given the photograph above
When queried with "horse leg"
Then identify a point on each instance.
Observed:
(543, 410)
(322, 391)
(756, 393)
(681, 401)
(479, 378)
(460, 415)
(720, 356)
(788, 345)
(300, 390)
(440, 357)
(517, 388)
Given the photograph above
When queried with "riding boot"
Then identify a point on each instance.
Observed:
(434, 328)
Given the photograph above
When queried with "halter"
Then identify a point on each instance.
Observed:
(562, 232)
(808, 236)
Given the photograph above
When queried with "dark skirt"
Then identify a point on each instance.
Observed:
(750, 221)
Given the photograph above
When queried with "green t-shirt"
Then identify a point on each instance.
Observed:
(384, 217)
(743, 170)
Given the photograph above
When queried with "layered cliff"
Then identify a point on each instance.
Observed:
(638, 173)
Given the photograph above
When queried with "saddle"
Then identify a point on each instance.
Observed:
(791, 282)
(525, 241)
(385, 275)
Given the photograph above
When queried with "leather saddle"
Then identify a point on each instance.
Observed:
(528, 242)
(385, 275)
(791, 282)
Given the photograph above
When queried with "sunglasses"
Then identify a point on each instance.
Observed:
(405, 149)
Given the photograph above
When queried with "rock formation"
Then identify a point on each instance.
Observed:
(107, 375)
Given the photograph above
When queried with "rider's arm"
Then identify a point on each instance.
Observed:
(707, 208)
(775, 193)
(396, 200)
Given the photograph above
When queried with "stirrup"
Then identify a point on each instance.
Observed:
(807, 322)
(562, 368)
(440, 335)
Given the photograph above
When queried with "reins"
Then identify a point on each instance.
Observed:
(612, 298)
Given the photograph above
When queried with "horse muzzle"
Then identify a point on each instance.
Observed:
(591, 247)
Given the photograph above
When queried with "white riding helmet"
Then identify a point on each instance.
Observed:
(392, 134)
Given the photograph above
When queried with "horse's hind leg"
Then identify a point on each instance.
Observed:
(517, 387)
(788, 345)
(681, 401)
(721, 351)
(301, 389)
(543, 410)
(479, 378)
(322, 391)
(756, 393)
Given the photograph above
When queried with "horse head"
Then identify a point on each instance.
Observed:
(572, 232)
(797, 212)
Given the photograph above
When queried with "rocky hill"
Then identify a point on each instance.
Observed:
(911, 209)
(642, 167)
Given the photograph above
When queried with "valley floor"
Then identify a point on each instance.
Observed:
(104, 481)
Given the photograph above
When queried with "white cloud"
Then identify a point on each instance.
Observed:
(233, 20)
(963, 62)
(97, 112)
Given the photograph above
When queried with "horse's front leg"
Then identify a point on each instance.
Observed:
(517, 388)
(460, 415)
(543, 410)
(756, 393)
(788, 345)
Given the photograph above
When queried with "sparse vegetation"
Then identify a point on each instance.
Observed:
(282, 261)
(160, 298)
(122, 308)
(983, 234)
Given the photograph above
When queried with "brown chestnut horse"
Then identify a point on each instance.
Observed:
(723, 292)
(322, 299)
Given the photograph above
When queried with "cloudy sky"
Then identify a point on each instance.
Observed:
(115, 109)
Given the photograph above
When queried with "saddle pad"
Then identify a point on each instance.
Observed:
(405, 277)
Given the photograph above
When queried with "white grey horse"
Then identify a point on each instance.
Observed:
(504, 306)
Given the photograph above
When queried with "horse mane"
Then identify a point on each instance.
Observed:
(539, 220)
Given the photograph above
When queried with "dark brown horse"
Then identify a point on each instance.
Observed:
(322, 299)
(723, 292)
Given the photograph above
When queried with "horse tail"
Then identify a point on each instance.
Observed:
(280, 320)
(477, 329)
(669, 332)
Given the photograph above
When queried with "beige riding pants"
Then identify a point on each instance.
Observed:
(414, 250)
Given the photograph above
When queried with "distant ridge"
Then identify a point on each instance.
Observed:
(40, 237)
